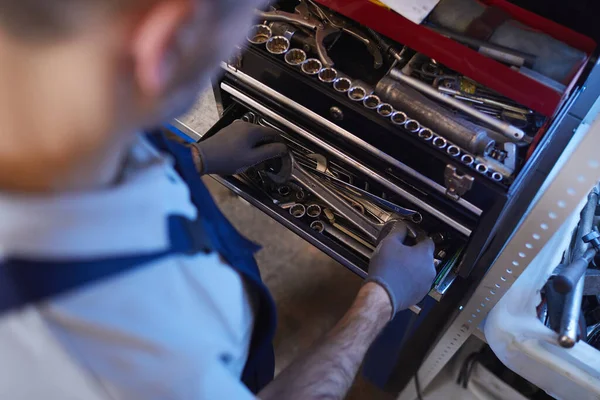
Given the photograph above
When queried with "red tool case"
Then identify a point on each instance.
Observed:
(468, 62)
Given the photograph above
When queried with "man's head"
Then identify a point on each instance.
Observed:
(78, 76)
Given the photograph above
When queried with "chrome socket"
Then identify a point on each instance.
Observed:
(284, 190)
(453, 150)
(295, 57)
(297, 211)
(259, 34)
(399, 118)
(312, 66)
(414, 126)
(342, 85)
(371, 102)
(357, 93)
(439, 142)
(417, 218)
(314, 211)
(300, 195)
(467, 159)
(497, 176)
(481, 168)
(385, 110)
(278, 45)
(318, 226)
(328, 75)
(424, 133)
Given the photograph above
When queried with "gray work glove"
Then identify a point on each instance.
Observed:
(405, 272)
(236, 148)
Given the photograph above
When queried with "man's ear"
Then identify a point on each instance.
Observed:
(154, 45)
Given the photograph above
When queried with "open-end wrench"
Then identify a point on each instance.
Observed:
(290, 170)
(402, 212)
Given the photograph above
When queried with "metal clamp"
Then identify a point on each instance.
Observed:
(456, 184)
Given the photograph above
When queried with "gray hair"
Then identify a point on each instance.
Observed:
(47, 19)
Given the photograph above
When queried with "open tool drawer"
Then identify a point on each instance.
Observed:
(469, 195)
(301, 210)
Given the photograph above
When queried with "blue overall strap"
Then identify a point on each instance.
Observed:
(24, 282)
(239, 253)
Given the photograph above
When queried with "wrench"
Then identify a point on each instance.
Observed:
(290, 170)
(360, 194)
(322, 226)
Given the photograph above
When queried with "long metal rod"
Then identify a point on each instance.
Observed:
(569, 322)
(511, 132)
(332, 150)
(292, 105)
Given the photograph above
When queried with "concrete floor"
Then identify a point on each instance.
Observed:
(311, 290)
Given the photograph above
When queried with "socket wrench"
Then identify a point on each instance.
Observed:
(290, 170)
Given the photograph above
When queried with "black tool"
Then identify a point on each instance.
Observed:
(571, 274)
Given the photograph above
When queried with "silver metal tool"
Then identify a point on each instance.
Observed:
(298, 210)
(318, 226)
(371, 102)
(284, 190)
(357, 93)
(328, 75)
(399, 118)
(401, 212)
(278, 45)
(324, 24)
(259, 34)
(483, 100)
(470, 137)
(569, 322)
(342, 85)
(290, 170)
(314, 210)
(312, 66)
(295, 57)
(331, 219)
(497, 52)
(571, 274)
(509, 131)
(385, 110)
(336, 21)
(321, 226)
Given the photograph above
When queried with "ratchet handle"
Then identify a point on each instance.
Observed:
(570, 276)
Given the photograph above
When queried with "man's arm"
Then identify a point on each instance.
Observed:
(399, 276)
(327, 372)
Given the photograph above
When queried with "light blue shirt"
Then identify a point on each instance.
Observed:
(178, 328)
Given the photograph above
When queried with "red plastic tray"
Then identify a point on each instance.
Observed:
(469, 62)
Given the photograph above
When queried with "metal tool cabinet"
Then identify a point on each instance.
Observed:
(565, 188)
(492, 221)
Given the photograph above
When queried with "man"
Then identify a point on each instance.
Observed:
(119, 278)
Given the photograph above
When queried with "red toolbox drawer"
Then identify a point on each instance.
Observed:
(463, 59)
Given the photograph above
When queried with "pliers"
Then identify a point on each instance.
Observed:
(324, 24)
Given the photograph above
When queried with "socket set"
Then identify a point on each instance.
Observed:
(494, 160)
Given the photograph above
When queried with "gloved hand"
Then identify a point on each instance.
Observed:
(236, 148)
(405, 272)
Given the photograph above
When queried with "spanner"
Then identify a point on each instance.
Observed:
(290, 170)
